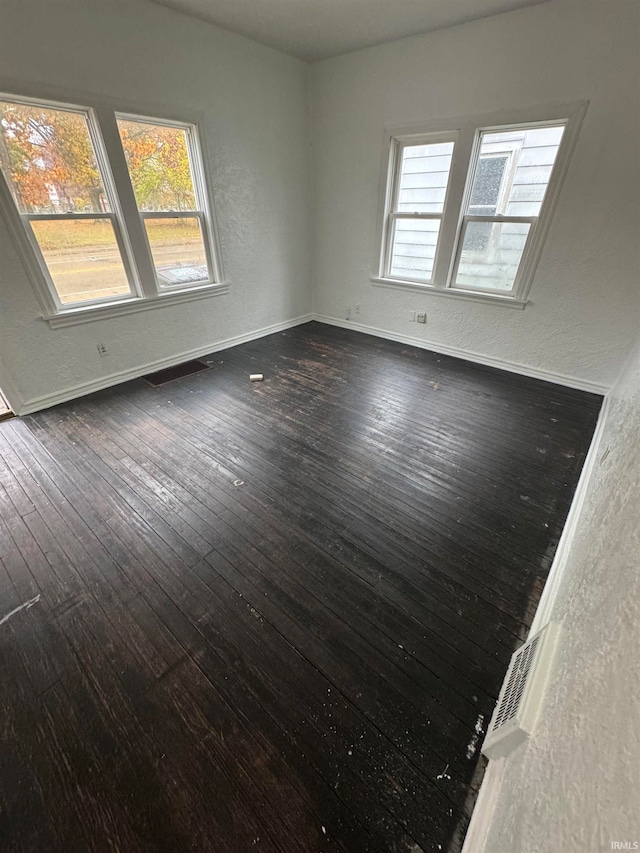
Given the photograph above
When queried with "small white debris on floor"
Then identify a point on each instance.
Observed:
(238, 482)
(256, 377)
(444, 774)
(255, 613)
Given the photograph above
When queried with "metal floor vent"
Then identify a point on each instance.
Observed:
(516, 710)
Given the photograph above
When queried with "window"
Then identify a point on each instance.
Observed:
(418, 197)
(504, 205)
(76, 196)
(62, 189)
(161, 159)
(465, 213)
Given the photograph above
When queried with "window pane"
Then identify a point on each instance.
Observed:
(83, 258)
(494, 265)
(424, 174)
(516, 188)
(178, 251)
(414, 248)
(486, 186)
(158, 160)
(48, 160)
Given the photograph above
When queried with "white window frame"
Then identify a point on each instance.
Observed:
(203, 210)
(130, 233)
(398, 144)
(468, 131)
(49, 294)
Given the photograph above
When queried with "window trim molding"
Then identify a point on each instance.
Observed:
(105, 310)
(104, 109)
(458, 293)
(468, 130)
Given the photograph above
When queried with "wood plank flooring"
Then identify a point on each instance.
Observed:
(272, 616)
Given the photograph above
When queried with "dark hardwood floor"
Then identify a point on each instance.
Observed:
(272, 616)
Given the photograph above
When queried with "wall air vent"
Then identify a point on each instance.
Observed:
(516, 710)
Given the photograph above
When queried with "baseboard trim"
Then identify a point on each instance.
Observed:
(467, 355)
(474, 841)
(71, 393)
(45, 401)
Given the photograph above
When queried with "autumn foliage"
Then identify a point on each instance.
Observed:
(159, 165)
(48, 160)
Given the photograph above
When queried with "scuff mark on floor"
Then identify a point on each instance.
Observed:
(20, 607)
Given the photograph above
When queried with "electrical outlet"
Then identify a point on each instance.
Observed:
(357, 307)
(347, 311)
(421, 317)
(102, 350)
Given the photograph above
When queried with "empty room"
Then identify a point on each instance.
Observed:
(319, 426)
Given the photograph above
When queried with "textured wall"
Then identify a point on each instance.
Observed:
(575, 787)
(584, 296)
(255, 106)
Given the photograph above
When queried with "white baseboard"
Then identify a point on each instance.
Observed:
(468, 355)
(474, 840)
(25, 407)
(71, 393)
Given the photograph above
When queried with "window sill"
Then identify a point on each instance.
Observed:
(468, 295)
(87, 314)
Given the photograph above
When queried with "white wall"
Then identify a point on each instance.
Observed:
(255, 106)
(584, 296)
(575, 787)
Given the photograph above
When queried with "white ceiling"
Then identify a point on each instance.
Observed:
(317, 29)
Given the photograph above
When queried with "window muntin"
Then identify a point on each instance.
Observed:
(504, 205)
(164, 168)
(420, 181)
(52, 161)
